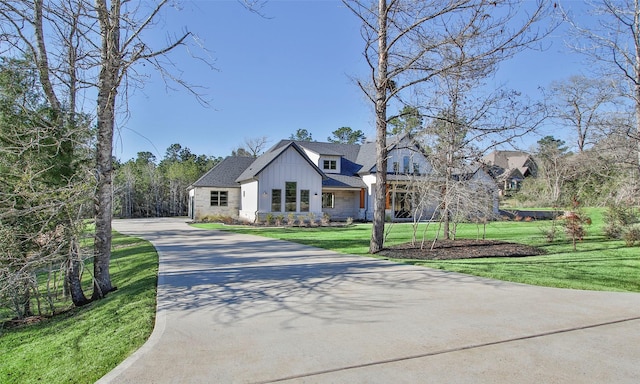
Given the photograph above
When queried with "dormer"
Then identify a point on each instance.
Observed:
(329, 163)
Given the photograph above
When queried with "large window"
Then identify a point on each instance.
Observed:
(329, 164)
(290, 192)
(304, 200)
(405, 165)
(219, 198)
(328, 200)
(276, 200)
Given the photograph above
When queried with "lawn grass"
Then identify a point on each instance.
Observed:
(598, 264)
(83, 344)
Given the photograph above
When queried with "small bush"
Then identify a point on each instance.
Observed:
(617, 219)
(326, 219)
(217, 219)
(631, 235)
(349, 220)
(269, 218)
(291, 219)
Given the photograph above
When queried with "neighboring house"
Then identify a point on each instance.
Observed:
(509, 169)
(311, 179)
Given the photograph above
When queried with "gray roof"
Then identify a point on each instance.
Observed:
(343, 181)
(367, 157)
(225, 173)
(356, 160)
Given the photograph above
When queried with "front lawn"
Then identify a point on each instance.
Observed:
(598, 263)
(83, 344)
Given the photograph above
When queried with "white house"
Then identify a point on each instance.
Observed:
(312, 179)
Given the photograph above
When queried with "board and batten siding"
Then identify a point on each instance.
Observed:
(289, 166)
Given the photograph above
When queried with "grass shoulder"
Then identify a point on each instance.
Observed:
(80, 345)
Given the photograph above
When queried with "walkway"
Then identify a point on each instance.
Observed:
(243, 309)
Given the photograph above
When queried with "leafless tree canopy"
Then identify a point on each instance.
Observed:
(611, 37)
(85, 52)
(409, 45)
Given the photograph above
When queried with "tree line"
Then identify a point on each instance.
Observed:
(144, 187)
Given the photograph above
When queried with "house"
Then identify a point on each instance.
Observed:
(509, 169)
(312, 179)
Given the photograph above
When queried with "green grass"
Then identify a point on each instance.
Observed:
(83, 344)
(598, 264)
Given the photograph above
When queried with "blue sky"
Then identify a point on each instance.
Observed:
(292, 69)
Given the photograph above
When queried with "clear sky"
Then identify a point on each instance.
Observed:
(291, 69)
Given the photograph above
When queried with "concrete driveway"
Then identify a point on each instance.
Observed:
(244, 309)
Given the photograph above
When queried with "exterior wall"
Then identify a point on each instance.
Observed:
(370, 182)
(289, 166)
(346, 204)
(249, 201)
(313, 156)
(398, 155)
(202, 203)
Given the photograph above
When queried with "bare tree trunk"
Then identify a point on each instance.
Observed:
(73, 275)
(107, 91)
(637, 111)
(377, 233)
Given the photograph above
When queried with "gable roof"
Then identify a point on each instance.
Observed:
(225, 173)
(268, 157)
(503, 163)
(507, 159)
(367, 156)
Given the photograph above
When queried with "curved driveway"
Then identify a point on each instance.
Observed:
(244, 309)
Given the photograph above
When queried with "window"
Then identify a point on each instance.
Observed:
(276, 200)
(219, 198)
(290, 192)
(405, 165)
(396, 167)
(328, 200)
(304, 200)
(416, 168)
(329, 164)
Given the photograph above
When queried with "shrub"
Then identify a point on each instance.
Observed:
(349, 220)
(279, 220)
(631, 235)
(326, 219)
(617, 218)
(291, 219)
(312, 218)
(269, 218)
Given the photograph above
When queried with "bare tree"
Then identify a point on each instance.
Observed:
(613, 40)
(255, 146)
(578, 103)
(78, 45)
(405, 43)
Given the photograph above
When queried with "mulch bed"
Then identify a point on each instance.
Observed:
(460, 249)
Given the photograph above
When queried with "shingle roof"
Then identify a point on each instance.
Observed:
(367, 157)
(343, 181)
(225, 173)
